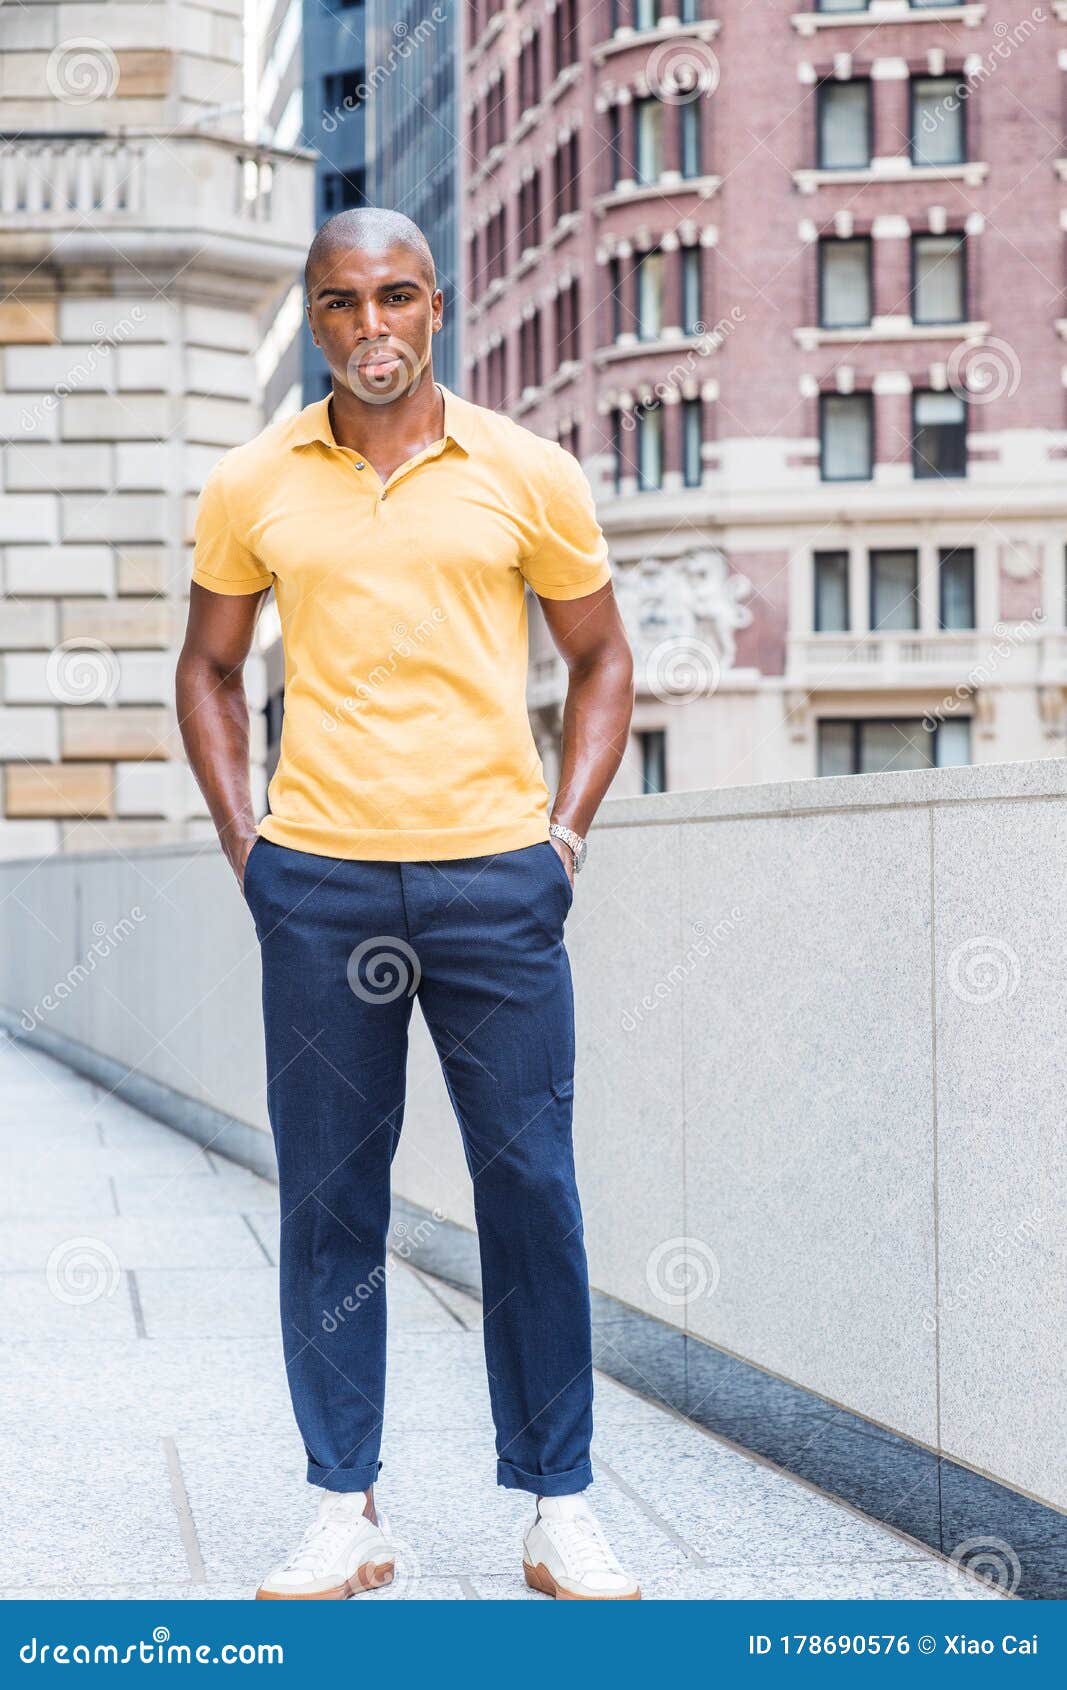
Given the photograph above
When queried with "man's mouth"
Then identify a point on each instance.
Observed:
(379, 363)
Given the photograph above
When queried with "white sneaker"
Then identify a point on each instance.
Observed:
(567, 1555)
(340, 1554)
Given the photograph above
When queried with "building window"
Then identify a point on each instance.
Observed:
(692, 148)
(530, 72)
(955, 570)
(938, 121)
(570, 440)
(847, 5)
(649, 449)
(530, 352)
(617, 433)
(844, 124)
(615, 285)
(342, 190)
(831, 592)
(844, 284)
(565, 171)
(894, 582)
(649, 14)
(616, 159)
(692, 442)
(530, 212)
(568, 315)
(648, 141)
(939, 279)
(650, 296)
(939, 435)
(846, 429)
(692, 268)
(653, 745)
(341, 88)
(565, 35)
(876, 746)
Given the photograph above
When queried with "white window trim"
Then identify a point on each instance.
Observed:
(892, 12)
(972, 174)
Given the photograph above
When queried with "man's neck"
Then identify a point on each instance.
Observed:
(393, 430)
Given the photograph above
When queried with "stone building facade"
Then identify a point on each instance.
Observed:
(143, 245)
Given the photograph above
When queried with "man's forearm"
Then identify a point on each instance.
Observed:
(596, 729)
(214, 722)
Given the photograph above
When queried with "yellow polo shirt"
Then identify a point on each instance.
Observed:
(405, 733)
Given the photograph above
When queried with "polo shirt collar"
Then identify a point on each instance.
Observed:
(313, 422)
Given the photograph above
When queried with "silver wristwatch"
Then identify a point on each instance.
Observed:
(579, 848)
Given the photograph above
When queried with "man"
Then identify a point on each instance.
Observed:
(408, 853)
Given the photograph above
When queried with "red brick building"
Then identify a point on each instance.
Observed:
(790, 283)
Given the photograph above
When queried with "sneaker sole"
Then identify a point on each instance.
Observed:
(539, 1578)
(371, 1576)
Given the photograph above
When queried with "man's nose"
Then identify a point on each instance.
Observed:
(369, 322)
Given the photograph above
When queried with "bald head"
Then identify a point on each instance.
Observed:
(370, 229)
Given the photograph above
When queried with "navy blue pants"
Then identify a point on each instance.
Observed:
(347, 946)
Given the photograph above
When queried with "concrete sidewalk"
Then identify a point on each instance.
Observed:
(149, 1446)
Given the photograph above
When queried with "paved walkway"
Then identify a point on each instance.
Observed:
(149, 1447)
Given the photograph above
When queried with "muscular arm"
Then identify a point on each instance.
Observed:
(590, 637)
(213, 711)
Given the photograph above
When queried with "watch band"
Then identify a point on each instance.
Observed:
(578, 846)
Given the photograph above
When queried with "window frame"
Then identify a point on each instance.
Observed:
(858, 723)
(868, 398)
(825, 84)
(960, 236)
(922, 473)
(845, 556)
(943, 554)
(875, 628)
(824, 243)
(965, 138)
(692, 408)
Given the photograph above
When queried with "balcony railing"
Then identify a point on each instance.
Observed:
(166, 184)
(851, 661)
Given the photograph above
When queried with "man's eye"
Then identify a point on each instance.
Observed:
(399, 298)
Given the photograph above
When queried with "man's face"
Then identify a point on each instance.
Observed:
(373, 315)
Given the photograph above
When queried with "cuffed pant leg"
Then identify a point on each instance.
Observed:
(336, 1047)
(496, 993)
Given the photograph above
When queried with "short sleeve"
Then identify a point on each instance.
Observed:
(569, 558)
(221, 560)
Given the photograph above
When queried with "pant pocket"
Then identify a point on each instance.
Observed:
(560, 871)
